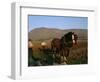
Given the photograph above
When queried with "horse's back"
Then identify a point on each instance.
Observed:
(56, 42)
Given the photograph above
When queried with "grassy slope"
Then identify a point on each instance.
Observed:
(78, 54)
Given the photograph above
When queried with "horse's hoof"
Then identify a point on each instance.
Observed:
(65, 59)
(64, 63)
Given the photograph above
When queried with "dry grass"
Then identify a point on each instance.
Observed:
(78, 54)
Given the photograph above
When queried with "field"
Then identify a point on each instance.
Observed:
(78, 53)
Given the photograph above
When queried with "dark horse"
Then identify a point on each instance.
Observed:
(62, 46)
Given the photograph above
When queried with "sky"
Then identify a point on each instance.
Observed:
(60, 22)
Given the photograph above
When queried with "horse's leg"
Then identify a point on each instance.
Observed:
(59, 55)
(63, 53)
(68, 51)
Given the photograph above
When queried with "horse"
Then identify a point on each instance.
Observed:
(56, 45)
(62, 46)
(67, 41)
(75, 38)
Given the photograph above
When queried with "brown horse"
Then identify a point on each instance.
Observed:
(56, 45)
(62, 46)
(75, 38)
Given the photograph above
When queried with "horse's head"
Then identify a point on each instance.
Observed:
(69, 39)
(73, 38)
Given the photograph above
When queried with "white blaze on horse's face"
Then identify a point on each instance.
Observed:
(73, 38)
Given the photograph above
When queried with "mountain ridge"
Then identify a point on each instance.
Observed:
(43, 33)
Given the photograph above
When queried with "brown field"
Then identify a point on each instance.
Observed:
(78, 53)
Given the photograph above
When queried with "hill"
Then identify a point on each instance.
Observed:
(43, 33)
